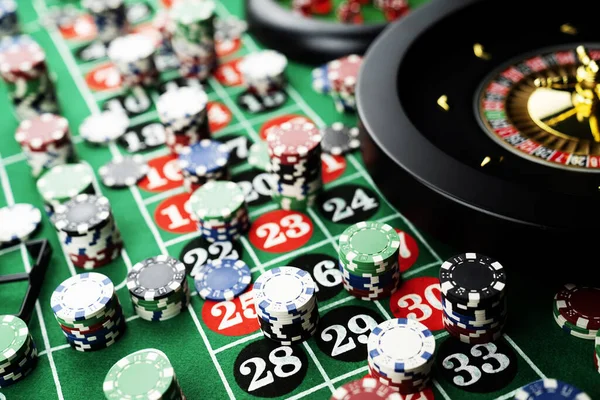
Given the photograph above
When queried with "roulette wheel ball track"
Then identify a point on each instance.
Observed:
(431, 148)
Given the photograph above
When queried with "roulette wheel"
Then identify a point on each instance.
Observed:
(480, 121)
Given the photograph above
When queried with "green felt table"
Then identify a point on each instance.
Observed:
(217, 348)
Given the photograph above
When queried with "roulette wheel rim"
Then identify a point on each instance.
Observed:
(468, 193)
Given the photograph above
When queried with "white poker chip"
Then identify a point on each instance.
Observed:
(18, 222)
(82, 296)
(263, 64)
(183, 103)
(131, 48)
(104, 127)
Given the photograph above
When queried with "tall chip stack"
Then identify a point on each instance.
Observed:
(263, 72)
(286, 305)
(343, 75)
(9, 24)
(401, 354)
(473, 291)
(368, 254)
(295, 151)
(23, 69)
(63, 182)
(184, 113)
(576, 309)
(145, 374)
(193, 37)
(158, 288)
(88, 311)
(18, 353)
(109, 16)
(45, 141)
(220, 209)
(88, 231)
(133, 55)
(202, 162)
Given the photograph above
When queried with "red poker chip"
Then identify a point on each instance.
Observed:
(343, 73)
(580, 305)
(364, 389)
(293, 140)
(43, 131)
(22, 60)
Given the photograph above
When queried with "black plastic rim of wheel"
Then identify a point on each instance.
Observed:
(303, 39)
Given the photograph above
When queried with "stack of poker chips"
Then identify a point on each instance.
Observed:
(263, 72)
(369, 253)
(109, 16)
(220, 209)
(133, 55)
(89, 312)
(18, 354)
(202, 162)
(473, 288)
(9, 24)
(63, 182)
(45, 141)
(184, 113)
(222, 279)
(295, 151)
(193, 37)
(158, 288)
(393, 9)
(338, 79)
(350, 12)
(23, 69)
(145, 374)
(597, 351)
(400, 354)
(365, 388)
(548, 388)
(574, 313)
(286, 305)
(88, 231)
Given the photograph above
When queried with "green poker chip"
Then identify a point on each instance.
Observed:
(258, 156)
(63, 182)
(145, 374)
(369, 244)
(194, 20)
(218, 200)
(14, 336)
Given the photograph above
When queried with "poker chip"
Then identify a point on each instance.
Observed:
(18, 353)
(158, 288)
(574, 330)
(104, 127)
(295, 151)
(88, 231)
(550, 389)
(220, 210)
(401, 354)
(204, 161)
(263, 71)
(320, 80)
(338, 78)
(286, 305)
(597, 351)
(133, 55)
(88, 311)
(338, 139)
(473, 297)
(365, 388)
(9, 23)
(124, 171)
(222, 279)
(368, 260)
(229, 29)
(579, 305)
(63, 182)
(258, 156)
(18, 222)
(145, 374)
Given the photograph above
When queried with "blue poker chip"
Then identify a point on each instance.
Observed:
(18, 222)
(222, 279)
(320, 81)
(205, 157)
(550, 389)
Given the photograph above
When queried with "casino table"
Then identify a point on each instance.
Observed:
(216, 348)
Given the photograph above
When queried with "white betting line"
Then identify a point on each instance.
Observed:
(418, 270)
(441, 390)
(252, 254)
(315, 359)
(240, 341)
(525, 357)
(164, 195)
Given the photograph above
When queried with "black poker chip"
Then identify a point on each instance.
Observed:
(339, 139)
(254, 103)
(492, 366)
(197, 252)
(143, 137)
(123, 172)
